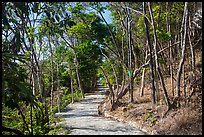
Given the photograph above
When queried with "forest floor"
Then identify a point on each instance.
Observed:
(185, 120)
(182, 121)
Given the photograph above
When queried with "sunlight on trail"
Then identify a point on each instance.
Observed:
(83, 119)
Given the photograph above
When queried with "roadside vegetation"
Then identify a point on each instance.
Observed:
(149, 56)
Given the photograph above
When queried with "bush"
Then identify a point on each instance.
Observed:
(67, 99)
(149, 117)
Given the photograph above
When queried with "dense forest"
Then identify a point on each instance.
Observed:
(54, 53)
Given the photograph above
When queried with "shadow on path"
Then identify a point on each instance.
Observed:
(82, 118)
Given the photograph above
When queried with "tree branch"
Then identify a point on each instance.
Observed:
(139, 13)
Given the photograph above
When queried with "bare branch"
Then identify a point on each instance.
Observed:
(139, 13)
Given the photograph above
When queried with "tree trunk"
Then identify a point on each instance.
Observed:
(52, 72)
(150, 51)
(24, 119)
(142, 81)
(110, 88)
(168, 19)
(156, 59)
(115, 75)
(124, 87)
(78, 77)
(71, 79)
(58, 80)
(184, 82)
(183, 51)
(31, 119)
(192, 51)
(76, 65)
(33, 81)
(157, 95)
(191, 47)
(129, 35)
(40, 82)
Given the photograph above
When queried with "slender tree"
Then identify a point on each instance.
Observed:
(156, 58)
(183, 43)
(150, 51)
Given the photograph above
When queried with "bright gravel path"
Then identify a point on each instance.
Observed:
(82, 119)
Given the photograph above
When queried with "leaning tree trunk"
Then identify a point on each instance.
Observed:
(151, 58)
(156, 59)
(116, 79)
(110, 88)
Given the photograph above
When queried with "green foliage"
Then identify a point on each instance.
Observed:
(130, 105)
(107, 67)
(11, 118)
(149, 117)
(58, 130)
(78, 7)
(80, 30)
(88, 55)
(67, 99)
(25, 26)
(140, 27)
(15, 87)
(162, 35)
(30, 30)
(21, 36)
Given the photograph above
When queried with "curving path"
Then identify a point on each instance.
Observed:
(82, 119)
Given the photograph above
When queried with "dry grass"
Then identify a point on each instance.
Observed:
(180, 122)
(186, 120)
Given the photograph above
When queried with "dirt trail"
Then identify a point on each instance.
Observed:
(82, 119)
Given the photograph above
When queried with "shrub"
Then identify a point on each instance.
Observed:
(149, 117)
